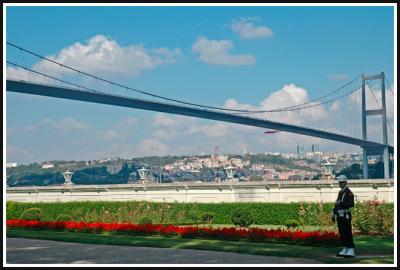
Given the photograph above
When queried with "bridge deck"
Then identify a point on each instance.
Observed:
(103, 98)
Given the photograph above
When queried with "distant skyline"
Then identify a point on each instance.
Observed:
(285, 154)
(233, 57)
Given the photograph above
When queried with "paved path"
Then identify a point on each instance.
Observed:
(33, 251)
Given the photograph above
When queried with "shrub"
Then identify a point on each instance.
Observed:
(241, 217)
(10, 209)
(207, 217)
(373, 217)
(64, 217)
(315, 214)
(292, 223)
(32, 214)
(192, 212)
(145, 220)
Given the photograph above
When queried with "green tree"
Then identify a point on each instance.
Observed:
(125, 171)
(352, 172)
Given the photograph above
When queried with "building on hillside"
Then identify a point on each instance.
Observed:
(169, 167)
(315, 148)
(284, 175)
(257, 167)
(223, 158)
(237, 162)
(372, 160)
(105, 160)
(300, 151)
(90, 162)
(246, 163)
(47, 165)
(11, 164)
(300, 163)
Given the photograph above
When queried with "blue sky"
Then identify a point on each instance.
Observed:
(210, 55)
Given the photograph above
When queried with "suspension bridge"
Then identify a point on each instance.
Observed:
(52, 78)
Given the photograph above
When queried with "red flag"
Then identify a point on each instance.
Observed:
(271, 131)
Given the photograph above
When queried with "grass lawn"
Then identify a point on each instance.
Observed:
(369, 249)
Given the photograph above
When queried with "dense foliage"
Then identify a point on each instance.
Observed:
(292, 223)
(242, 217)
(275, 160)
(33, 213)
(375, 171)
(207, 217)
(373, 218)
(145, 220)
(64, 217)
(317, 214)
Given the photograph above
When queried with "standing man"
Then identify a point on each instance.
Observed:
(341, 212)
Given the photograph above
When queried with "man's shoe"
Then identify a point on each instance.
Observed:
(350, 253)
(342, 253)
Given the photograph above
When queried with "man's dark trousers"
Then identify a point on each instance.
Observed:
(345, 233)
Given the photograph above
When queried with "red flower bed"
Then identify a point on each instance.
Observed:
(252, 234)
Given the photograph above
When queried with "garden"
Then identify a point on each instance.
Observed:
(293, 224)
(369, 217)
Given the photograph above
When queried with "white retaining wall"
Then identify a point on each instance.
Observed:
(262, 191)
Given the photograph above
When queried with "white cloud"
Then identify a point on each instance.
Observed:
(335, 106)
(116, 150)
(216, 52)
(16, 73)
(126, 123)
(247, 29)
(169, 127)
(234, 104)
(112, 135)
(150, 147)
(162, 120)
(289, 95)
(374, 124)
(216, 130)
(121, 130)
(66, 124)
(370, 101)
(100, 55)
(165, 134)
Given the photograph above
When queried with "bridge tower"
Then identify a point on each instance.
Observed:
(367, 151)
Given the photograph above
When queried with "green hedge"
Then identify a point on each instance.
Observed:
(242, 217)
(33, 213)
(317, 214)
(263, 213)
(145, 220)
